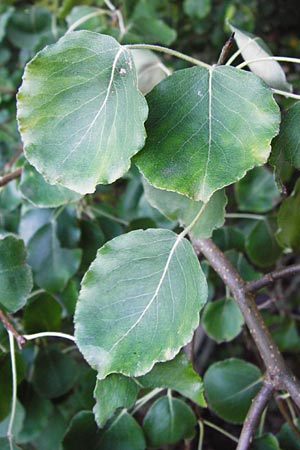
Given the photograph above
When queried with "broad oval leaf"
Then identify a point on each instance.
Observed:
(80, 113)
(206, 129)
(288, 219)
(139, 302)
(181, 208)
(15, 274)
(230, 386)
(253, 47)
(42, 194)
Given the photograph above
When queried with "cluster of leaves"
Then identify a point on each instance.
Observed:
(90, 180)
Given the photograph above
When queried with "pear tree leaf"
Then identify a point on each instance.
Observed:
(197, 8)
(15, 273)
(253, 47)
(42, 194)
(139, 302)
(261, 245)
(80, 113)
(168, 420)
(183, 209)
(206, 129)
(265, 442)
(4, 18)
(288, 220)
(230, 386)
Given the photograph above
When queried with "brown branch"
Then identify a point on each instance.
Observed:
(9, 327)
(251, 422)
(225, 50)
(278, 373)
(255, 285)
(10, 176)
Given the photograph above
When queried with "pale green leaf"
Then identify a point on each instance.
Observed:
(139, 302)
(167, 421)
(15, 274)
(206, 129)
(253, 47)
(80, 113)
(150, 70)
(42, 194)
(181, 208)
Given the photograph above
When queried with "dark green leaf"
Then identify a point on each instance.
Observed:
(17, 424)
(288, 220)
(287, 437)
(42, 314)
(230, 386)
(266, 442)
(197, 9)
(261, 245)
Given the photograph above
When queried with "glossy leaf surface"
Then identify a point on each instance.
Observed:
(139, 302)
(205, 130)
(79, 111)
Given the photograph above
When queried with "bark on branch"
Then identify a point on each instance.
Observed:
(255, 285)
(10, 176)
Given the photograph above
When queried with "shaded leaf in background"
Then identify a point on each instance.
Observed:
(288, 220)
(43, 313)
(65, 95)
(167, 421)
(96, 23)
(261, 245)
(15, 273)
(149, 288)
(54, 429)
(287, 437)
(6, 381)
(205, 130)
(10, 197)
(184, 210)
(150, 70)
(257, 191)
(239, 261)
(222, 319)
(197, 9)
(42, 194)
(8, 444)
(229, 238)
(5, 14)
(17, 424)
(52, 265)
(253, 47)
(266, 442)
(230, 386)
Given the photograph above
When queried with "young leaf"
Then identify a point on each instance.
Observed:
(181, 208)
(288, 220)
(230, 386)
(206, 128)
(42, 194)
(178, 375)
(15, 274)
(222, 320)
(167, 421)
(80, 113)
(253, 47)
(116, 391)
(139, 302)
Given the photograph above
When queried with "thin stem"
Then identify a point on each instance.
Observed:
(102, 213)
(35, 293)
(168, 51)
(14, 385)
(258, 405)
(239, 51)
(220, 430)
(10, 176)
(30, 337)
(11, 329)
(255, 285)
(244, 216)
(286, 94)
(262, 422)
(291, 409)
(201, 434)
(285, 414)
(141, 401)
(119, 16)
(268, 58)
(77, 23)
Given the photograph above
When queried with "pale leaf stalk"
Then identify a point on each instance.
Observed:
(168, 51)
(77, 23)
(269, 58)
(201, 435)
(14, 386)
(286, 94)
(30, 337)
(143, 400)
(119, 16)
(220, 430)
(239, 51)
(244, 216)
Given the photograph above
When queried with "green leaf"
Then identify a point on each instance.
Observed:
(253, 47)
(42, 314)
(84, 88)
(121, 433)
(257, 191)
(266, 442)
(228, 238)
(239, 261)
(261, 245)
(287, 437)
(149, 288)
(167, 421)
(114, 392)
(150, 70)
(287, 145)
(96, 23)
(15, 274)
(222, 320)
(178, 375)
(4, 18)
(197, 8)
(230, 386)
(17, 424)
(206, 128)
(7, 444)
(55, 373)
(6, 381)
(179, 207)
(54, 430)
(10, 197)
(42, 194)
(288, 220)
(52, 265)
